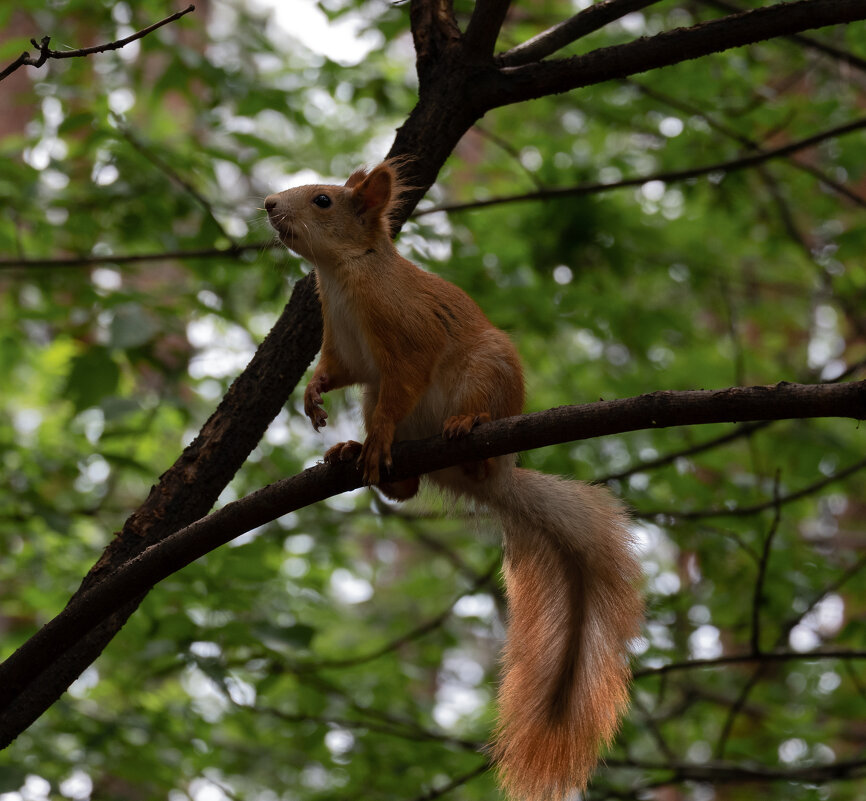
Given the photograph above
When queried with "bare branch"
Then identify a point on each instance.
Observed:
(803, 166)
(45, 52)
(758, 596)
(484, 26)
(744, 430)
(91, 260)
(731, 773)
(398, 642)
(581, 24)
(807, 41)
(674, 176)
(749, 658)
(515, 84)
(164, 167)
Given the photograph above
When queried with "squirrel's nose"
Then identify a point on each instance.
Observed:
(270, 203)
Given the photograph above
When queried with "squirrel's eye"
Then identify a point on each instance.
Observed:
(322, 201)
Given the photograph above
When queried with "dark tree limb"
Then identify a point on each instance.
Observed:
(530, 81)
(837, 53)
(119, 591)
(484, 26)
(581, 24)
(45, 52)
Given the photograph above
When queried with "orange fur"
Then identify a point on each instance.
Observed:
(430, 362)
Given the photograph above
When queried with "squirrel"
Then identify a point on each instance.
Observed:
(430, 362)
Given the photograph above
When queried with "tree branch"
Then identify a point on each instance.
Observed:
(581, 24)
(516, 84)
(667, 177)
(45, 52)
(128, 582)
(484, 26)
(90, 260)
(748, 658)
(807, 41)
(803, 166)
(748, 511)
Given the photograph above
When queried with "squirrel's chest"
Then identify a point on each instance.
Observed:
(345, 333)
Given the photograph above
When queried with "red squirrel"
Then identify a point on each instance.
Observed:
(430, 362)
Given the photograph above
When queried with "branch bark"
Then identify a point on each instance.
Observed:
(581, 24)
(118, 593)
(516, 84)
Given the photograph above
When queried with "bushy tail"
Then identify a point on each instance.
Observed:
(572, 585)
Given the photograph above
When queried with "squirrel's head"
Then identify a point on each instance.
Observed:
(332, 224)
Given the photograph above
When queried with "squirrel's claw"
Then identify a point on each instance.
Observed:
(318, 417)
(313, 403)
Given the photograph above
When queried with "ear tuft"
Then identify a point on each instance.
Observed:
(356, 177)
(372, 192)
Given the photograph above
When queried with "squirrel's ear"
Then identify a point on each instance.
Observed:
(373, 194)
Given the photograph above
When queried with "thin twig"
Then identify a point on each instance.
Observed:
(398, 642)
(741, 659)
(748, 511)
(175, 177)
(762, 569)
(45, 52)
(667, 177)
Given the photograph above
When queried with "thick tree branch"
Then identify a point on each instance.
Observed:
(128, 582)
(484, 26)
(581, 24)
(45, 52)
(807, 41)
(516, 84)
(434, 33)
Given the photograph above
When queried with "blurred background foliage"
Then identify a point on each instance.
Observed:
(349, 650)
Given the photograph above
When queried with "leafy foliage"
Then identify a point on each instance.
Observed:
(350, 649)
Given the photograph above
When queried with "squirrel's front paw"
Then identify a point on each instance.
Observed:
(375, 452)
(313, 402)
